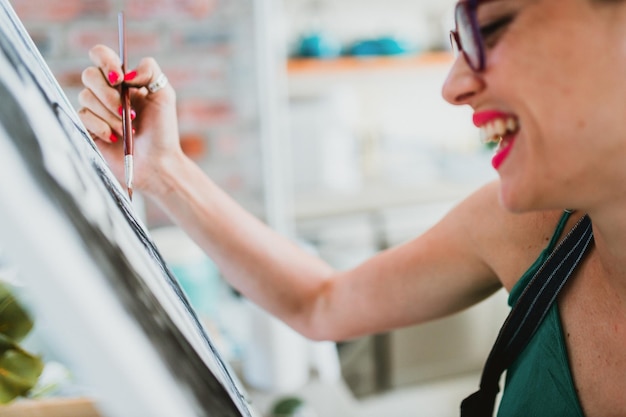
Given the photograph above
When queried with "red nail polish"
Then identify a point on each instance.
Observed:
(113, 77)
(113, 138)
(134, 131)
(133, 113)
(130, 75)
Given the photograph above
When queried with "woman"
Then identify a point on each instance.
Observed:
(545, 81)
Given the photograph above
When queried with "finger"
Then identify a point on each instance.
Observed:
(109, 63)
(88, 100)
(144, 73)
(98, 128)
(98, 89)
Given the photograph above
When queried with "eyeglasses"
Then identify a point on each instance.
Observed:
(466, 38)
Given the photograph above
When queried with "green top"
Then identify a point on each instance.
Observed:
(539, 382)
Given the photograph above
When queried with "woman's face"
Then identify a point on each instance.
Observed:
(554, 88)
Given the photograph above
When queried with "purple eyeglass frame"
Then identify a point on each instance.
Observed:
(468, 9)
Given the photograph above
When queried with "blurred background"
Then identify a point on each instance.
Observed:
(324, 118)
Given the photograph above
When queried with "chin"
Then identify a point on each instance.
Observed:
(518, 199)
(512, 206)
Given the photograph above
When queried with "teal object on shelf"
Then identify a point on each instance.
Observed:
(318, 45)
(383, 46)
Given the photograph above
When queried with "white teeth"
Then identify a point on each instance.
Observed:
(511, 124)
(495, 129)
(499, 125)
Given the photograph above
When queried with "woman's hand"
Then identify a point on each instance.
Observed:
(156, 140)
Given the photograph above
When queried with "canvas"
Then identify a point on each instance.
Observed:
(98, 284)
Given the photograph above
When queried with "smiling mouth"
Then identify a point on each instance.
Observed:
(500, 131)
(496, 130)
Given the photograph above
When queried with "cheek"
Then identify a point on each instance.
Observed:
(533, 174)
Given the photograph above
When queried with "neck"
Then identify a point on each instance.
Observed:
(609, 228)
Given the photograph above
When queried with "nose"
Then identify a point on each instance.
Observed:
(462, 84)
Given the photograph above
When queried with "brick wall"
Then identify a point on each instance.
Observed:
(204, 47)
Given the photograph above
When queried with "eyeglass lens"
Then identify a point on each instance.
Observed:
(468, 35)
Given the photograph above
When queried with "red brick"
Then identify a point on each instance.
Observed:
(139, 44)
(188, 77)
(195, 111)
(95, 8)
(199, 8)
(69, 78)
(80, 40)
(193, 145)
(170, 9)
(203, 39)
(59, 11)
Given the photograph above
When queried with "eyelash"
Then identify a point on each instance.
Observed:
(490, 31)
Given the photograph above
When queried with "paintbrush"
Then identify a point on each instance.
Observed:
(126, 119)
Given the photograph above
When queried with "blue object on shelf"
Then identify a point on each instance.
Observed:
(380, 46)
(318, 45)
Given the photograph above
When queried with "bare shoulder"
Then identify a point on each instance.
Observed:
(507, 242)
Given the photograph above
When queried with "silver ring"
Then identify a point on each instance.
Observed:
(157, 84)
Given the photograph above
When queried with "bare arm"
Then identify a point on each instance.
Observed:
(434, 275)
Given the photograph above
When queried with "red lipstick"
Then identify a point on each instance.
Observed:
(502, 153)
(480, 118)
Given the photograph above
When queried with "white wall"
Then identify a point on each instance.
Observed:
(426, 22)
